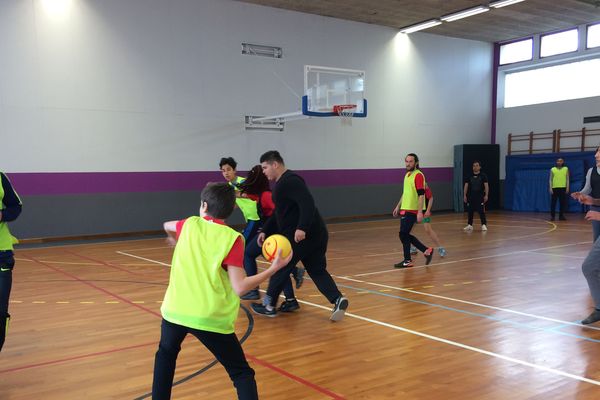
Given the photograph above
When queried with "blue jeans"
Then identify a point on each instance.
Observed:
(252, 251)
(225, 347)
(7, 262)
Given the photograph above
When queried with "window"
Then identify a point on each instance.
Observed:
(559, 43)
(593, 36)
(562, 82)
(516, 51)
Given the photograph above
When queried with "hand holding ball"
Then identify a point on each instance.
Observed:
(273, 244)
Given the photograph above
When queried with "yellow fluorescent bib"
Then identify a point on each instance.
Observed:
(199, 294)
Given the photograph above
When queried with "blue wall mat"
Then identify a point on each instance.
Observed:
(526, 185)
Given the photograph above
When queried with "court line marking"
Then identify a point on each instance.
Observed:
(133, 303)
(468, 259)
(467, 302)
(552, 330)
(457, 344)
(556, 255)
(142, 258)
(62, 262)
(463, 346)
(108, 264)
(147, 248)
(445, 297)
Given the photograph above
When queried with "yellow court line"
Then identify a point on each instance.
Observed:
(62, 262)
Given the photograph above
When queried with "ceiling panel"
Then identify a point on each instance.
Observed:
(515, 21)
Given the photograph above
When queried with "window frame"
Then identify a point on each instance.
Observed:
(531, 38)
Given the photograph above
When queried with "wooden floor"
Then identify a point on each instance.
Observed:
(497, 318)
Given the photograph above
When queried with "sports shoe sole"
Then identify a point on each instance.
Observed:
(264, 315)
(339, 310)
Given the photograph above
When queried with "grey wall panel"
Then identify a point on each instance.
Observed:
(74, 215)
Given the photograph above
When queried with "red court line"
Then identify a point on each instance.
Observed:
(102, 262)
(76, 357)
(116, 296)
(296, 378)
(257, 360)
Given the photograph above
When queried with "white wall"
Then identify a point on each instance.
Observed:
(565, 115)
(161, 85)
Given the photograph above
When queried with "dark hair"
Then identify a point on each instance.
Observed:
(476, 162)
(228, 161)
(271, 156)
(220, 198)
(416, 157)
(256, 182)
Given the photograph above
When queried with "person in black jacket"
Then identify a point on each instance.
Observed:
(10, 208)
(297, 218)
(476, 192)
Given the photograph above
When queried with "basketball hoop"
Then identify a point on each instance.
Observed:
(345, 111)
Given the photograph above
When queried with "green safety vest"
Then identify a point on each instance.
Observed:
(410, 198)
(559, 177)
(248, 207)
(6, 239)
(200, 295)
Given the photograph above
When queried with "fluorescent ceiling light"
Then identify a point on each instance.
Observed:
(504, 3)
(420, 26)
(464, 13)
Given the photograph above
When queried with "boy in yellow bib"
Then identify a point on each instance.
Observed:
(207, 278)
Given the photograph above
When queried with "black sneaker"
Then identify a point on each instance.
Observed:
(551, 218)
(299, 276)
(262, 310)
(289, 305)
(429, 255)
(339, 309)
(562, 218)
(251, 295)
(593, 317)
(404, 264)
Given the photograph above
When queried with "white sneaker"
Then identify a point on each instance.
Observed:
(483, 228)
(468, 228)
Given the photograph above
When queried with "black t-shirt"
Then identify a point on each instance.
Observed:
(476, 182)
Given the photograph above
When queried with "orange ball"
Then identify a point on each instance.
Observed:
(273, 244)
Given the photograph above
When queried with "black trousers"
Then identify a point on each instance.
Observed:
(7, 262)
(225, 347)
(311, 251)
(475, 203)
(559, 194)
(252, 251)
(407, 221)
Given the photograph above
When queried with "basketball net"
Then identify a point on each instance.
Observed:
(345, 111)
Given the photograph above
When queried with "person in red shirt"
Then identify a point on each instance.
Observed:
(256, 187)
(205, 281)
(427, 224)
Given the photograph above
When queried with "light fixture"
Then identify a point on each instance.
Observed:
(504, 3)
(421, 25)
(464, 13)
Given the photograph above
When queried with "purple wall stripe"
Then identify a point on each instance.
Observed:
(57, 183)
